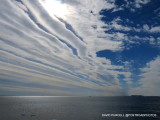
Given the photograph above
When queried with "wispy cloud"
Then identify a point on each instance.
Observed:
(149, 82)
(38, 48)
(58, 54)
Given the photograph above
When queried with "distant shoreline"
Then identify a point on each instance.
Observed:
(72, 96)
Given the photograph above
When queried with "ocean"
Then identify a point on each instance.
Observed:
(79, 108)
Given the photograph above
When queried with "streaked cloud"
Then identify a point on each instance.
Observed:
(46, 52)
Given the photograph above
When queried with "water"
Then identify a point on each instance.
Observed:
(78, 108)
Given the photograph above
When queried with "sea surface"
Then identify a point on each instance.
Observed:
(79, 108)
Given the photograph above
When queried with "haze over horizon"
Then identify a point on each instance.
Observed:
(80, 47)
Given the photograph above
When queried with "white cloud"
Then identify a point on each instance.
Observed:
(150, 81)
(116, 24)
(136, 4)
(155, 29)
(38, 48)
(145, 27)
(140, 3)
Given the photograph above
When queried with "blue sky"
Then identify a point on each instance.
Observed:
(80, 47)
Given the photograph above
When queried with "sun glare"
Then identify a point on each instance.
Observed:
(55, 7)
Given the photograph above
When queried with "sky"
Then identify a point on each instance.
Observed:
(80, 47)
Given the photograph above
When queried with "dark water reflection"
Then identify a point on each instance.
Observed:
(77, 108)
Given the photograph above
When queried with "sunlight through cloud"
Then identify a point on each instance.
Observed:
(55, 8)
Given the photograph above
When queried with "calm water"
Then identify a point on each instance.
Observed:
(78, 108)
